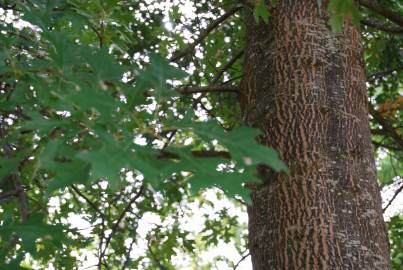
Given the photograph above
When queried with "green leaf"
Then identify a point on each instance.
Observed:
(37, 16)
(241, 143)
(108, 161)
(339, 9)
(232, 183)
(13, 265)
(244, 150)
(336, 23)
(104, 65)
(154, 171)
(64, 53)
(43, 124)
(111, 3)
(88, 97)
(68, 173)
(56, 156)
(3, 58)
(33, 229)
(10, 165)
(260, 11)
(155, 77)
(390, 168)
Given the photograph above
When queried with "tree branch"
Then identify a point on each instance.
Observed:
(209, 89)
(119, 220)
(393, 198)
(377, 75)
(181, 53)
(374, 6)
(227, 66)
(22, 198)
(6, 196)
(241, 260)
(23, 205)
(382, 26)
(168, 155)
(90, 203)
(8, 7)
(155, 258)
(378, 144)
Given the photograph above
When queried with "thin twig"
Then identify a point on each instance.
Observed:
(241, 260)
(227, 66)
(133, 236)
(377, 75)
(127, 256)
(101, 240)
(233, 79)
(79, 193)
(380, 144)
(393, 198)
(98, 34)
(119, 220)
(181, 53)
(156, 260)
(169, 138)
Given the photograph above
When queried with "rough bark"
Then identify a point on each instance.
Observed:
(304, 87)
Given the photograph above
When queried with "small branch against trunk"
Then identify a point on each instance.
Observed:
(378, 132)
(233, 79)
(227, 66)
(377, 75)
(394, 197)
(210, 88)
(390, 147)
(374, 6)
(388, 128)
(381, 26)
(241, 260)
(168, 155)
(215, 88)
(181, 53)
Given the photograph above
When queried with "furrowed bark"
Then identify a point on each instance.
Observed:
(304, 87)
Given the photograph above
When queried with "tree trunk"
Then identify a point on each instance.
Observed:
(304, 87)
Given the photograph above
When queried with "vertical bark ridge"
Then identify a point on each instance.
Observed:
(304, 87)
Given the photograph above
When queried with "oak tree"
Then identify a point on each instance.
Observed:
(133, 133)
